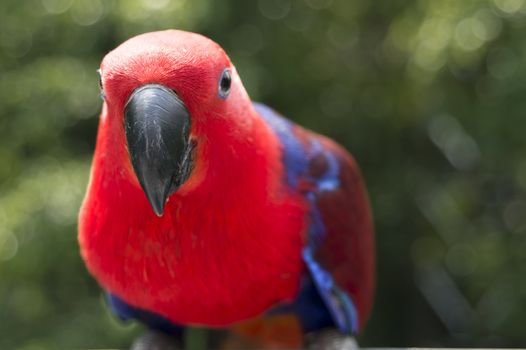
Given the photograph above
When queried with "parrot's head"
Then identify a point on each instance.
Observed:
(167, 94)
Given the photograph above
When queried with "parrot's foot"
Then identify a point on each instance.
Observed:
(153, 340)
(330, 339)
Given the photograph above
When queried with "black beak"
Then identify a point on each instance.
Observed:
(157, 126)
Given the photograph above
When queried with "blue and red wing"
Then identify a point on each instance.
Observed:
(339, 253)
(341, 242)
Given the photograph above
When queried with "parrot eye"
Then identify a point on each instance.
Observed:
(224, 83)
(100, 85)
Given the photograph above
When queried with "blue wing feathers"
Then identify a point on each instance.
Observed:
(307, 159)
(126, 312)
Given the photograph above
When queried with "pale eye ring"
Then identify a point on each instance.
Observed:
(101, 87)
(225, 83)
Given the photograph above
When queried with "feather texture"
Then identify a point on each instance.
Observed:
(271, 217)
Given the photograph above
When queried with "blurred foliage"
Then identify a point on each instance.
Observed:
(428, 95)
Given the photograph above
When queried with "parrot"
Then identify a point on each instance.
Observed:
(205, 209)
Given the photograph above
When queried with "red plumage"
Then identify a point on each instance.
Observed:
(228, 246)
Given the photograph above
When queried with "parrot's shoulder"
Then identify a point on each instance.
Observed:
(310, 159)
(292, 140)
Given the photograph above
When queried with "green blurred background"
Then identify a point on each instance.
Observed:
(430, 97)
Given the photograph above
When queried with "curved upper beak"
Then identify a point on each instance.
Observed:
(157, 126)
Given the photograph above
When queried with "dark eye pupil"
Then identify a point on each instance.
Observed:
(225, 83)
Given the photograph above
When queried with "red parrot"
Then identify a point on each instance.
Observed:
(204, 208)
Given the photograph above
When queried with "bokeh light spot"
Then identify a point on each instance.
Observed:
(490, 27)
(465, 34)
(155, 4)
(435, 33)
(429, 60)
(8, 245)
(86, 13)
(274, 9)
(57, 6)
(459, 148)
(509, 6)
